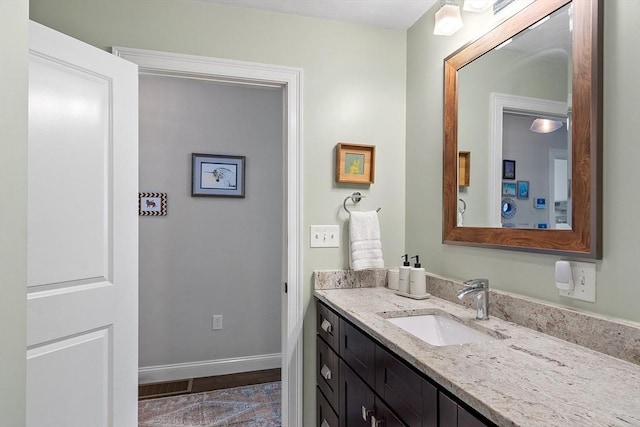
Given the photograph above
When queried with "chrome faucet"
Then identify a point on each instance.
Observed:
(481, 288)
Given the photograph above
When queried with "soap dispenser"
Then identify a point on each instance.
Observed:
(405, 270)
(417, 279)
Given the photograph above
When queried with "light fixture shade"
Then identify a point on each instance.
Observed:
(448, 20)
(545, 125)
(476, 5)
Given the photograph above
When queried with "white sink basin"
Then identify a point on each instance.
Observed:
(440, 330)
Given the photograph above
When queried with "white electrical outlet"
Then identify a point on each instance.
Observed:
(217, 322)
(325, 236)
(584, 282)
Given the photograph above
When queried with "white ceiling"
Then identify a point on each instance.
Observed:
(395, 14)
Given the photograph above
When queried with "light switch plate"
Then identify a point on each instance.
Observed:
(325, 236)
(584, 282)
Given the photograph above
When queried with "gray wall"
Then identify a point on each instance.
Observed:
(354, 89)
(531, 152)
(618, 273)
(14, 68)
(210, 255)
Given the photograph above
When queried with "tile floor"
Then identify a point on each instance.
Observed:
(248, 406)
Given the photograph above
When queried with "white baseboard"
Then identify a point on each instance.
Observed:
(208, 368)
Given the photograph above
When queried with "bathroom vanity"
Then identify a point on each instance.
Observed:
(371, 372)
(362, 383)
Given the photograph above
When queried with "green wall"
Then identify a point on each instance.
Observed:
(618, 273)
(13, 209)
(355, 89)
(503, 72)
(354, 85)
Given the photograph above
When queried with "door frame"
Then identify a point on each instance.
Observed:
(290, 79)
(500, 104)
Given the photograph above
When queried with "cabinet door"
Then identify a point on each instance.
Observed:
(466, 419)
(357, 399)
(399, 386)
(454, 415)
(383, 417)
(429, 404)
(358, 350)
(448, 411)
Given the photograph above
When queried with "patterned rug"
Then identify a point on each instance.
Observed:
(249, 406)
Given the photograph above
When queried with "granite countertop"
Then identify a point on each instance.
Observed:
(526, 379)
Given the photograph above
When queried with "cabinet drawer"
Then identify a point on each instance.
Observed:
(328, 326)
(326, 417)
(327, 373)
(399, 386)
(358, 350)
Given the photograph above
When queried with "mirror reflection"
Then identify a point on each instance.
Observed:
(514, 117)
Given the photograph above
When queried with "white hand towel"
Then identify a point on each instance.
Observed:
(364, 236)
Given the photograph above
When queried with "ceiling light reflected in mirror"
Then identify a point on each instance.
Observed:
(545, 125)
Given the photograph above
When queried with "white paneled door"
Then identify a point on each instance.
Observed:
(82, 333)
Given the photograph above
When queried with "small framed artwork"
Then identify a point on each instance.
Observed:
(523, 189)
(217, 175)
(540, 203)
(355, 163)
(152, 204)
(508, 208)
(508, 169)
(508, 188)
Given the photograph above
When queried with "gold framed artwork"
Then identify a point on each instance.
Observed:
(355, 163)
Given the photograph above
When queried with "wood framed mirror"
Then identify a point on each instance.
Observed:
(581, 235)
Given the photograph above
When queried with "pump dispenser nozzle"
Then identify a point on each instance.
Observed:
(417, 264)
(406, 260)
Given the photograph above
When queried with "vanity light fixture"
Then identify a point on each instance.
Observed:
(476, 5)
(448, 19)
(545, 125)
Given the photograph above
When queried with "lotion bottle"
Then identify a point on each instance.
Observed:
(405, 270)
(417, 279)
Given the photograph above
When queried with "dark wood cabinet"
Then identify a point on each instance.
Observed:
(328, 373)
(466, 419)
(325, 415)
(360, 383)
(358, 401)
(358, 350)
(360, 406)
(328, 326)
(429, 404)
(448, 412)
(399, 386)
(384, 417)
(451, 414)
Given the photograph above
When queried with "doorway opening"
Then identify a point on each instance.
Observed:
(288, 80)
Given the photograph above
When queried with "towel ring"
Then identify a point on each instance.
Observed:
(464, 206)
(355, 197)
